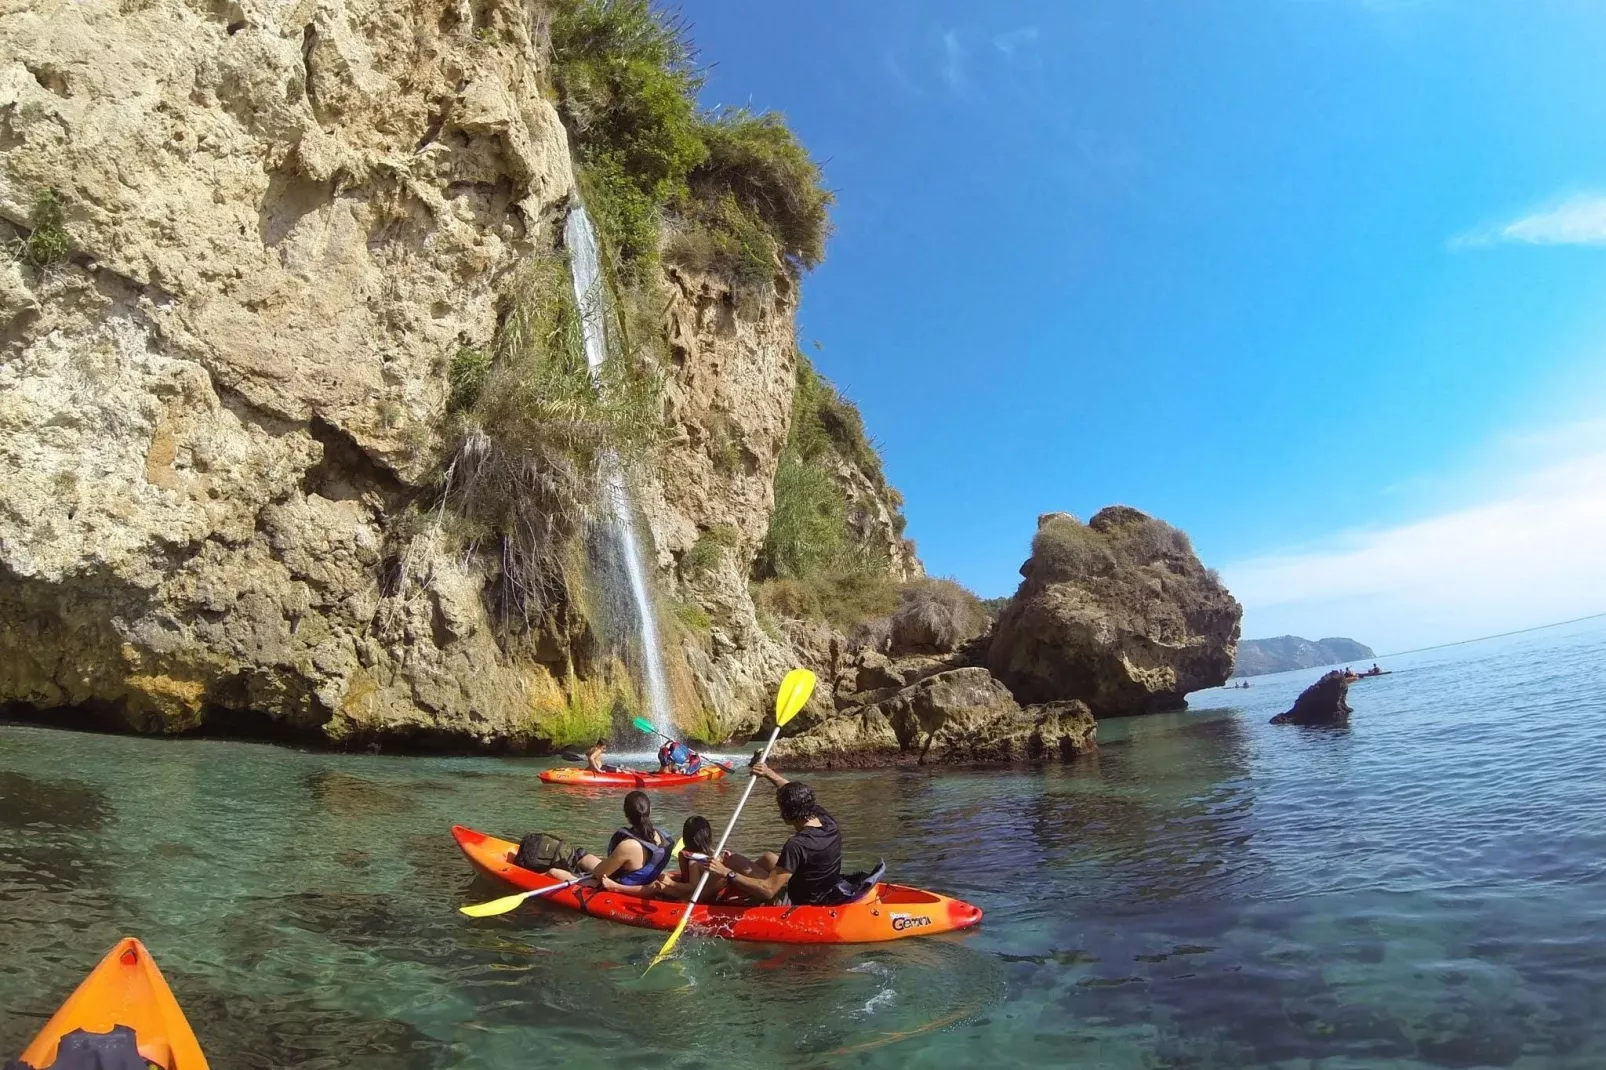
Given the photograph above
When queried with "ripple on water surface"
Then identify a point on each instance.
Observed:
(1424, 889)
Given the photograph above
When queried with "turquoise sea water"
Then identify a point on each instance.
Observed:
(1425, 889)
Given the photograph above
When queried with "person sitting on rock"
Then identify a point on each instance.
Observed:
(675, 757)
(808, 868)
(637, 854)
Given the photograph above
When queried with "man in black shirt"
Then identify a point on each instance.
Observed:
(809, 864)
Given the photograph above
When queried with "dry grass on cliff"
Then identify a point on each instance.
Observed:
(536, 439)
(936, 615)
(845, 599)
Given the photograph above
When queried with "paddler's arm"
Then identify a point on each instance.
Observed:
(761, 888)
(762, 769)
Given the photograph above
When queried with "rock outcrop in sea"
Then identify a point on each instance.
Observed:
(1326, 702)
(1117, 613)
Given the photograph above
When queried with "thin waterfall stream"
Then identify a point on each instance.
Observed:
(591, 295)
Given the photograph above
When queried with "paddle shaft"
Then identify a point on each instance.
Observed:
(732, 826)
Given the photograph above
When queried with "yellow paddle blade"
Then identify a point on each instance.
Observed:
(495, 906)
(795, 691)
(669, 945)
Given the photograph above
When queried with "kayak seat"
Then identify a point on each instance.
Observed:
(852, 887)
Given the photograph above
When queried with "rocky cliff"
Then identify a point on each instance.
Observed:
(249, 243)
(1256, 657)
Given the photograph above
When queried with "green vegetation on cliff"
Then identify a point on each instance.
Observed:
(533, 429)
(814, 564)
(740, 194)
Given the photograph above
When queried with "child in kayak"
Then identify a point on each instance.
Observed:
(697, 839)
(808, 868)
(637, 854)
(675, 757)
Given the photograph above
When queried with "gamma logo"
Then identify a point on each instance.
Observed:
(900, 922)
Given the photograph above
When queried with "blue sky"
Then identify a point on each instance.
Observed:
(1322, 282)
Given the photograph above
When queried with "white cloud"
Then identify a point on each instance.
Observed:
(1531, 552)
(1578, 220)
(953, 65)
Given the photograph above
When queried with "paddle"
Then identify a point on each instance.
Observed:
(570, 756)
(794, 692)
(508, 902)
(646, 726)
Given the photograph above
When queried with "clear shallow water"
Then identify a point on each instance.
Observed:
(1427, 889)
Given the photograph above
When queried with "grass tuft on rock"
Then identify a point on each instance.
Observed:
(47, 244)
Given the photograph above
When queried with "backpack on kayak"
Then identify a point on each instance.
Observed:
(82, 1050)
(540, 852)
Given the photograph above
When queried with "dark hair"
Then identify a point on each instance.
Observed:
(796, 802)
(602, 742)
(638, 812)
(698, 835)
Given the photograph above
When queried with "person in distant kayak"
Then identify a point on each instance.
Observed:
(675, 757)
(808, 868)
(637, 854)
(594, 758)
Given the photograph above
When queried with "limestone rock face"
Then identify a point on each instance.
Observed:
(1326, 702)
(1118, 614)
(284, 219)
(728, 372)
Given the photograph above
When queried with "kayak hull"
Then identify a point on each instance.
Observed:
(585, 778)
(889, 912)
(125, 989)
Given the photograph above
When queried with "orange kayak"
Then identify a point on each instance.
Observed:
(586, 778)
(125, 989)
(888, 912)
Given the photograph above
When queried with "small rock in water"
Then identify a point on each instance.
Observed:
(1322, 703)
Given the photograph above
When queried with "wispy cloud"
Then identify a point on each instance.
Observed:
(1011, 42)
(1578, 220)
(1529, 552)
(953, 62)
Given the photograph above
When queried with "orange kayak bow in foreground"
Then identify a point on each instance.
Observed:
(888, 912)
(125, 989)
(586, 778)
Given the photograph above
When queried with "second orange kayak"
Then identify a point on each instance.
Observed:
(125, 989)
(586, 778)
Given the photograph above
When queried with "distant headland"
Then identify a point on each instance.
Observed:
(1257, 657)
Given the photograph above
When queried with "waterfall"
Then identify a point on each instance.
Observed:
(590, 294)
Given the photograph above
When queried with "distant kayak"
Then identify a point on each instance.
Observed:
(888, 912)
(586, 778)
(126, 989)
(1364, 675)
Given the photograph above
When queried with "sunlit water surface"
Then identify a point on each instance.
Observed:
(1426, 889)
